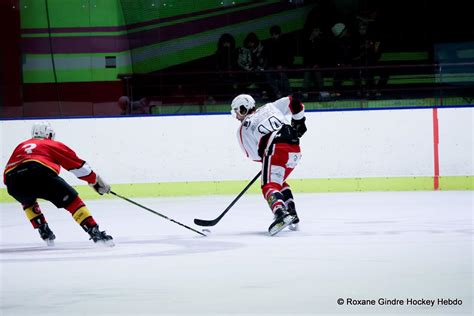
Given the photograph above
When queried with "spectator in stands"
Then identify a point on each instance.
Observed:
(364, 56)
(316, 55)
(279, 57)
(141, 106)
(371, 44)
(368, 51)
(251, 58)
(225, 65)
(341, 52)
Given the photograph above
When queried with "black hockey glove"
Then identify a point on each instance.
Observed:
(299, 126)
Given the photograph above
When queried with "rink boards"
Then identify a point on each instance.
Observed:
(198, 154)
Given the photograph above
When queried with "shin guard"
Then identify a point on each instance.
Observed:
(81, 214)
(275, 199)
(34, 214)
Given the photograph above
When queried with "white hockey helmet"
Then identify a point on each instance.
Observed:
(242, 104)
(42, 129)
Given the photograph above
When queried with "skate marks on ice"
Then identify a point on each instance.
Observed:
(74, 251)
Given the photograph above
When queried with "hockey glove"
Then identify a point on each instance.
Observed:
(101, 186)
(299, 126)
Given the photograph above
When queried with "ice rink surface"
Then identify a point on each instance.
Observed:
(361, 246)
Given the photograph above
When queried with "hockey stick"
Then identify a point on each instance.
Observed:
(155, 212)
(212, 222)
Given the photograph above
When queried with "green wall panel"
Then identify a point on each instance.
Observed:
(71, 13)
(109, 13)
(79, 75)
(136, 11)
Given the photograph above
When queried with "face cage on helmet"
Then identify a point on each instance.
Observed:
(52, 134)
(238, 111)
(237, 115)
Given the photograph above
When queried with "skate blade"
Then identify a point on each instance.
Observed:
(105, 243)
(49, 242)
(282, 225)
(294, 227)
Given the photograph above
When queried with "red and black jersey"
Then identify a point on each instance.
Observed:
(52, 154)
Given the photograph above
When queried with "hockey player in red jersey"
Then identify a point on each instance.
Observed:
(32, 173)
(271, 135)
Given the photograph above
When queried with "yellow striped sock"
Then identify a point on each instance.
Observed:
(81, 214)
(30, 212)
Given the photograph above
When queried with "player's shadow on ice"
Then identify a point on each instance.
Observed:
(124, 248)
(260, 233)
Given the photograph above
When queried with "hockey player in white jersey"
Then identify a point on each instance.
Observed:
(270, 135)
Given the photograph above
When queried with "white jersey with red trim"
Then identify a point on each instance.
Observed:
(267, 119)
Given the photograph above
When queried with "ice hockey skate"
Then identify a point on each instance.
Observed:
(46, 234)
(292, 211)
(282, 220)
(100, 237)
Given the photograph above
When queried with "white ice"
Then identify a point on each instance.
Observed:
(350, 245)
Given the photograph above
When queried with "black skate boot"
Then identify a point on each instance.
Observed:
(100, 236)
(292, 211)
(290, 206)
(282, 219)
(46, 234)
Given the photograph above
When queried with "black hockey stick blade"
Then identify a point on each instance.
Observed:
(212, 222)
(203, 222)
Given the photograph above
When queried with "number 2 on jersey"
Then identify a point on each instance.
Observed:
(29, 148)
